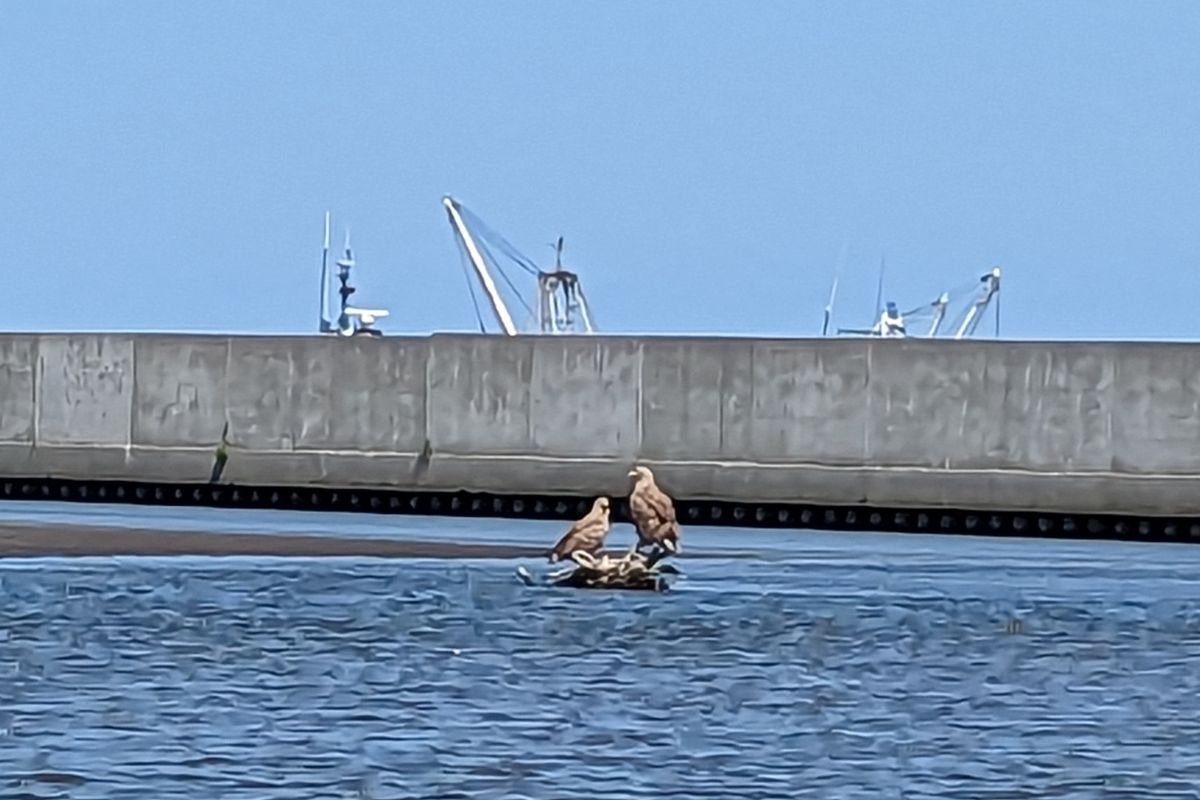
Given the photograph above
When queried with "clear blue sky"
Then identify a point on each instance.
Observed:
(167, 165)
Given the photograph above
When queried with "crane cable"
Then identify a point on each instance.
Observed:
(482, 230)
(495, 263)
(464, 261)
(483, 235)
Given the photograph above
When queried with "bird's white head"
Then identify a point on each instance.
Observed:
(641, 474)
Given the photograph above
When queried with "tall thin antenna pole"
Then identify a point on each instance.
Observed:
(324, 310)
(879, 289)
(837, 271)
(997, 314)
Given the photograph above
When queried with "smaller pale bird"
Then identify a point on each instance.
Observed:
(653, 512)
(585, 535)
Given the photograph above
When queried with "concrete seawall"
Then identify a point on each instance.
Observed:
(1090, 428)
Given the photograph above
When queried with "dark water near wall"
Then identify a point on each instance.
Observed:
(836, 666)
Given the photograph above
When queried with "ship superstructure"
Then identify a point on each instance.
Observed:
(954, 314)
(560, 305)
(351, 320)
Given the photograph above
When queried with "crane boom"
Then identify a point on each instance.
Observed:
(586, 310)
(485, 277)
(991, 286)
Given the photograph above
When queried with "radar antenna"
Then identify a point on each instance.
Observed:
(351, 321)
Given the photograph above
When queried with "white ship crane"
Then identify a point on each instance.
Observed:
(930, 319)
(351, 320)
(561, 306)
(984, 296)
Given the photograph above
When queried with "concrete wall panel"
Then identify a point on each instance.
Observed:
(389, 416)
(584, 397)
(312, 362)
(532, 475)
(360, 394)
(809, 402)
(478, 395)
(758, 483)
(1057, 407)
(180, 398)
(696, 399)
(261, 378)
(18, 359)
(86, 389)
(319, 468)
(932, 404)
(85, 461)
(1158, 395)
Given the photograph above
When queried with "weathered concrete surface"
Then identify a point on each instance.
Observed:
(1077, 427)
(18, 363)
(85, 392)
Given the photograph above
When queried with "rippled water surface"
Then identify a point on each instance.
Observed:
(840, 666)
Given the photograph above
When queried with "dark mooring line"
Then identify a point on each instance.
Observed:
(718, 513)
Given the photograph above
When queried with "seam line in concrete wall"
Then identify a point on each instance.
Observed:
(722, 397)
(225, 400)
(133, 394)
(610, 460)
(806, 466)
(291, 400)
(37, 391)
(640, 395)
(425, 402)
(866, 440)
(534, 363)
(751, 409)
(1112, 396)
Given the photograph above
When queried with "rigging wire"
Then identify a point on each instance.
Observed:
(489, 242)
(482, 229)
(981, 291)
(464, 261)
(958, 319)
(486, 238)
(495, 264)
(960, 300)
(966, 287)
(953, 296)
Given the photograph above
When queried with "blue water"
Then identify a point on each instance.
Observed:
(835, 665)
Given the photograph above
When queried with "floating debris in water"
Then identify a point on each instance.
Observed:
(634, 571)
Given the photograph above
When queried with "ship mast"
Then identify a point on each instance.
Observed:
(560, 306)
(557, 314)
(345, 325)
(325, 325)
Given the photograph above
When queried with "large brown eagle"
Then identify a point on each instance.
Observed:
(653, 512)
(587, 534)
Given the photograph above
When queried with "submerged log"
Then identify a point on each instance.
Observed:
(634, 571)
